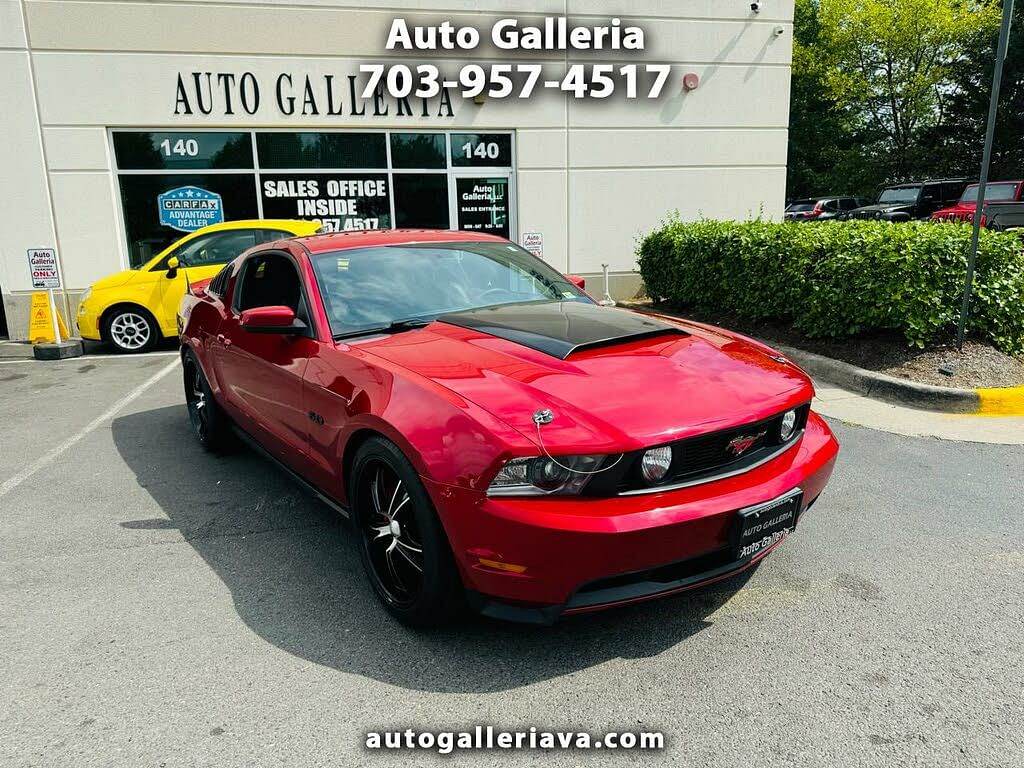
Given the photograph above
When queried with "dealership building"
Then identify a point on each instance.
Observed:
(129, 123)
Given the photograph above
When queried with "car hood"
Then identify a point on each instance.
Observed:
(966, 208)
(115, 280)
(879, 207)
(652, 385)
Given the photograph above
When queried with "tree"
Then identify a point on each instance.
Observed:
(817, 128)
(959, 139)
(889, 65)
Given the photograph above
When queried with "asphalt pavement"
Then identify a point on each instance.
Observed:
(162, 607)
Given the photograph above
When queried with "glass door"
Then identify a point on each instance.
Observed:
(482, 202)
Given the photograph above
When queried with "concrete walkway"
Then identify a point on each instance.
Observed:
(851, 408)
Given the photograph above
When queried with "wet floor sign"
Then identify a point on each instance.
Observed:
(40, 325)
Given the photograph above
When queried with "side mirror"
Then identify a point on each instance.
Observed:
(579, 282)
(280, 320)
(172, 267)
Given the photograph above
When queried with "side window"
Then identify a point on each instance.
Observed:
(830, 206)
(270, 280)
(932, 193)
(952, 192)
(847, 204)
(216, 248)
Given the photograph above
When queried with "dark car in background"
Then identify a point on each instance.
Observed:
(821, 208)
(913, 201)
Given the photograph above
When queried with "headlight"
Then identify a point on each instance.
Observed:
(85, 295)
(655, 463)
(788, 425)
(543, 476)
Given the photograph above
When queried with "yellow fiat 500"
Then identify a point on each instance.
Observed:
(132, 310)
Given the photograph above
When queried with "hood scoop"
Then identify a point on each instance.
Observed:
(560, 328)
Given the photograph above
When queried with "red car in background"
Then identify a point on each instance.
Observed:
(995, 192)
(492, 432)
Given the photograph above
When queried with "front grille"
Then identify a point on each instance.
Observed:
(701, 458)
(701, 454)
(864, 215)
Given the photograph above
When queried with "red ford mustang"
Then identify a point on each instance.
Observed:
(493, 433)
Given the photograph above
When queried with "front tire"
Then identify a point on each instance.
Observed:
(209, 422)
(403, 547)
(130, 330)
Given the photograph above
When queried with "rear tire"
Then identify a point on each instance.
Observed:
(404, 549)
(211, 425)
(130, 329)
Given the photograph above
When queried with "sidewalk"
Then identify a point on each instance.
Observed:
(863, 411)
(15, 350)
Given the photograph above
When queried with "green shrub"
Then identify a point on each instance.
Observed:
(834, 279)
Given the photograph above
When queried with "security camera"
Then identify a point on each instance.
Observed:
(756, 6)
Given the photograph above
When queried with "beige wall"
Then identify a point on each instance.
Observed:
(591, 176)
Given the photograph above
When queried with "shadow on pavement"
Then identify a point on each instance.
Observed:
(102, 349)
(296, 579)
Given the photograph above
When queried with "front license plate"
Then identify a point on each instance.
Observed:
(764, 525)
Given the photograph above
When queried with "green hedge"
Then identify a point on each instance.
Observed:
(834, 279)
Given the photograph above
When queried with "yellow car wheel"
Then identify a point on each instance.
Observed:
(129, 328)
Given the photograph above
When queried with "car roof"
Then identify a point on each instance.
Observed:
(820, 197)
(335, 241)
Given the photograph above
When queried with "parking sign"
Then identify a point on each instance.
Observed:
(43, 264)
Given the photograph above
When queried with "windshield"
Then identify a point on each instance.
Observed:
(801, 206)
(371, 288)
(899, 195)
(993, 193)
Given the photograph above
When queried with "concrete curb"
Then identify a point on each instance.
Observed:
(1003, 401)
(889, 389)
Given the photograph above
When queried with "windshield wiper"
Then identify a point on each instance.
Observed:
(396, 326)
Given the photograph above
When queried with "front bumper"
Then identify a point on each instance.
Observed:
(586, 554)
(88, 322)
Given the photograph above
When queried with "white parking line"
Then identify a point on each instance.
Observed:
(50, 456)
(90, 358)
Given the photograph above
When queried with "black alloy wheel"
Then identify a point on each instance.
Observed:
(209, 422)
(404, 550)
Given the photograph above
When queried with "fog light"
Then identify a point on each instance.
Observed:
(788, 425)
(655, 463)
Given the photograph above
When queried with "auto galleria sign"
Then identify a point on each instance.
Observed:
(289, 94)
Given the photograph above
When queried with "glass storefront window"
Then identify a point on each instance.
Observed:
(200, 150)
(139, 195)
(418, 150)
(421, 201)
(341, 201)
(321, 150)
(176, 181)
